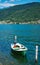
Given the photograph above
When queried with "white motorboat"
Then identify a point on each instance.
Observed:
(18, 48)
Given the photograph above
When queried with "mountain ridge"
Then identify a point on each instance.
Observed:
(24, 13)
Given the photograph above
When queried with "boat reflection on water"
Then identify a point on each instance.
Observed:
(20, 58)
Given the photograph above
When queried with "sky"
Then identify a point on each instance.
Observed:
(8, 3)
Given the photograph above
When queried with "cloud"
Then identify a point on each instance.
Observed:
(14, 0)
(1, 7)
(6, 1)
(18, 0)
(5, 4)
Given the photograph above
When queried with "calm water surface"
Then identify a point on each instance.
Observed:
(29, 35)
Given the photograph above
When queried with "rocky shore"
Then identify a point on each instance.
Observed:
(32, 22)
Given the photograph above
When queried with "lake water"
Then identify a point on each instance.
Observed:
(28, 34)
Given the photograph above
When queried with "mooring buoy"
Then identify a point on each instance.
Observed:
(36, 56)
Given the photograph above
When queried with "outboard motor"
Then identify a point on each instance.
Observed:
(15, 40)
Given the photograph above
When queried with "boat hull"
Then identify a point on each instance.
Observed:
(23, 53)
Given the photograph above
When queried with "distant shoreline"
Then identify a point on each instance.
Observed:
(32, 22)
